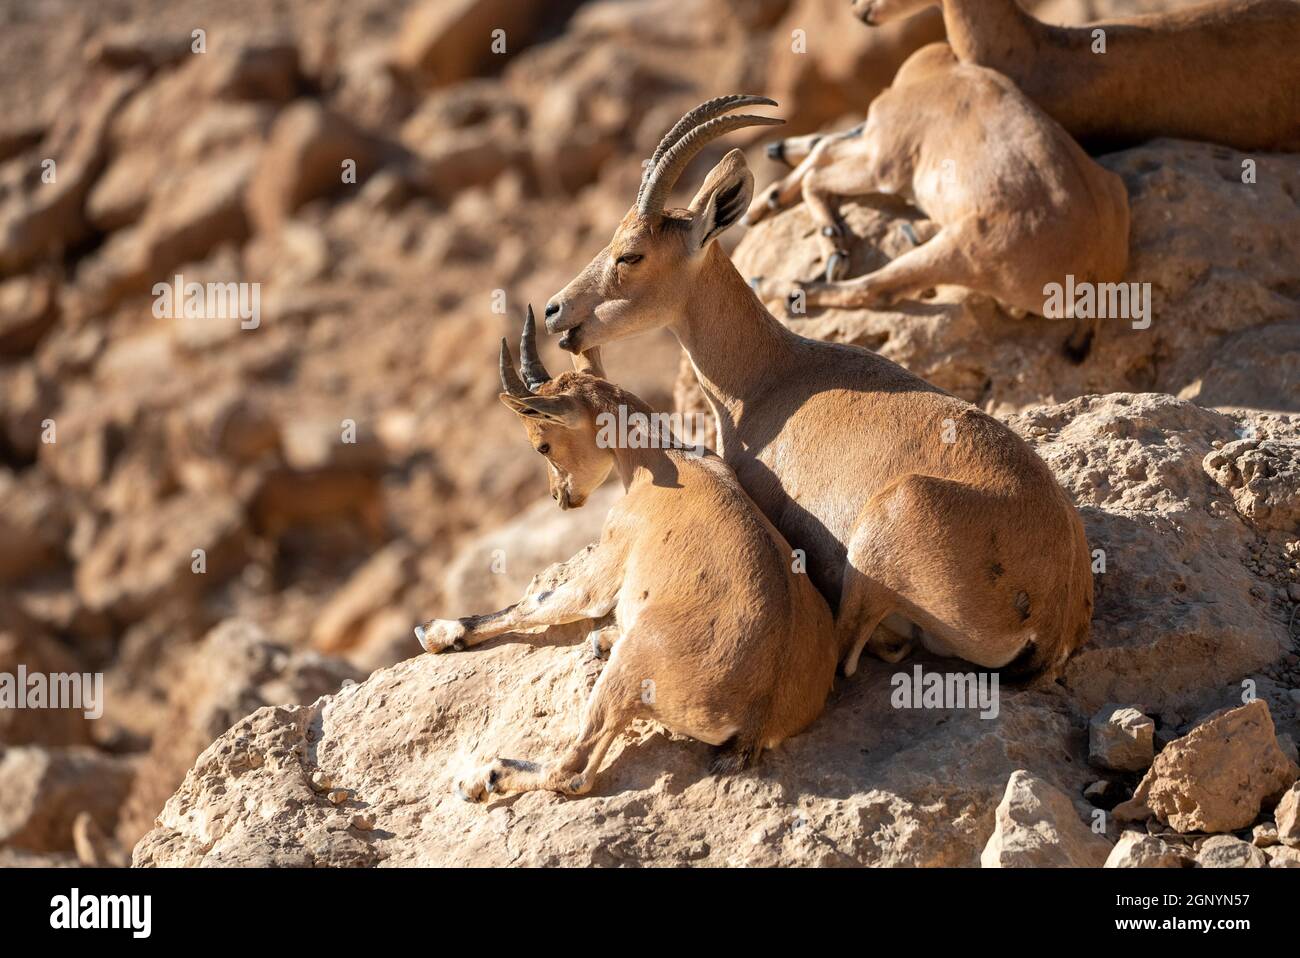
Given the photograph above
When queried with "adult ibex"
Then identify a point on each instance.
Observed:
(717, 639)
(1227, 71)
(1014, 218)
(903, 499)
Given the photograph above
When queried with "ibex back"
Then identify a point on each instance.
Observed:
(905, 499)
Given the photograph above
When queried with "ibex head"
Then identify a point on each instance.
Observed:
(642, 278)
(560, 424)
(877, 13)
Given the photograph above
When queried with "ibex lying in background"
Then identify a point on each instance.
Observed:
(1227, 72)
(905, 499)
(1019, 202)
(720, 640)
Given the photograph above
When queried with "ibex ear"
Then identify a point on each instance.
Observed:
(563, 410)
(722, 200)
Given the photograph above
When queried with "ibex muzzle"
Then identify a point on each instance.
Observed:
(640, 281)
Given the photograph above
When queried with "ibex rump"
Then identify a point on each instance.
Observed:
(716, 637)
(905, 499)
(1013, 218)
(1227, 72)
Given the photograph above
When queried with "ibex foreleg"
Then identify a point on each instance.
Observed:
(941, 261)
(583, 587)
(614, 702)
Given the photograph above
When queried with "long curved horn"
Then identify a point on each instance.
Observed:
(672, 163)
(510, 380)
(530, 364)
(705, 111)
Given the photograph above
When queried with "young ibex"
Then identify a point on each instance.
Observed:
(1013, 218)
(1226, 72)
(904, 499)
(718, 638)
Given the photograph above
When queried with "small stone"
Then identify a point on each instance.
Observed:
(1264, 835)
(338, 795)
(1293, 590)
(1121, 738)
(1036, 825)
(1228, 851)
(1283, 857)
(362, 822)
(1287, 814)
(320, 781)
(1136, 850)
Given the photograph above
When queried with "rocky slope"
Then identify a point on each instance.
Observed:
(222, 518)
(1186, 611)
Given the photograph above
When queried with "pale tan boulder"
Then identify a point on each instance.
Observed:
(1121, 738)
(1137, 849)
(1217, 777)
(1037, 826)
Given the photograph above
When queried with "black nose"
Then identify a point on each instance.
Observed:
(553, 311)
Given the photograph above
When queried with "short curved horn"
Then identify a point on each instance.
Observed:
(705, 111)
(664, 176)
(510, 380)
(530, 364)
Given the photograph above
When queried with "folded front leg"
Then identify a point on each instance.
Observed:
(583, 587)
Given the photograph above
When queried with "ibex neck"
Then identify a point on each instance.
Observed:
(987, 31)
(637, 436)
(737, 347)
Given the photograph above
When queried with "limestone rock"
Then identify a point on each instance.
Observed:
(1288, 817)
(867, 784)
(144, 560)
(304, 158)
(1136, 849)
(1176, 608)
(235, 670)
(1217, 777)
(46, 789)
(1037, 826)
(1227, 851)
(1264, 835)
(1283, 856)
(1121, 738)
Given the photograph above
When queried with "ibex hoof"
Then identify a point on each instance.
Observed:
(836, 264)
(477, 787)
(442, 635)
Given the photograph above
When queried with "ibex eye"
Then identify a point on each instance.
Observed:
(630, 258)
(544, 448)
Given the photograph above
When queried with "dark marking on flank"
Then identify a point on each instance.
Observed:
(995, 571)
(1022, 604)
(645, 595)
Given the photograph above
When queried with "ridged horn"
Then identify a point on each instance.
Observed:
(530, 364)
(510, 380)
(669, 169)
(705, 111)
